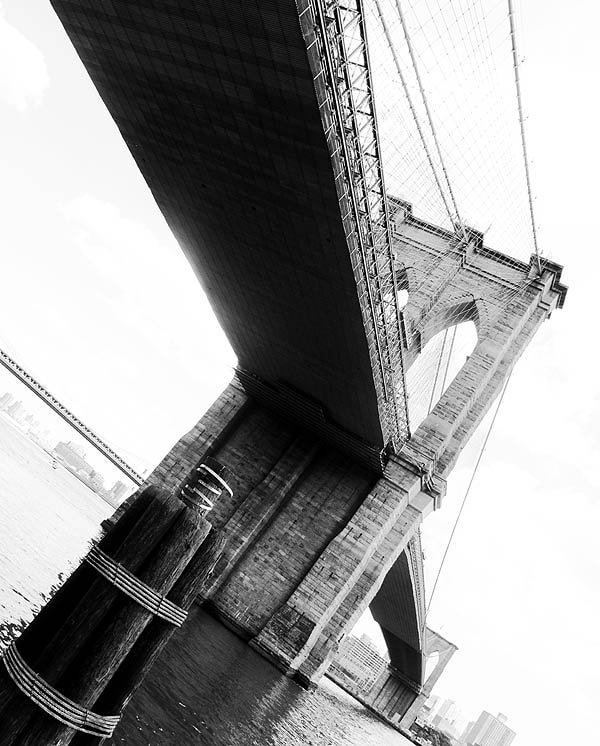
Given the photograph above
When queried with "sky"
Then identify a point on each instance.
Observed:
(98, 302)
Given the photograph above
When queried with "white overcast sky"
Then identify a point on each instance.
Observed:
(98, 301)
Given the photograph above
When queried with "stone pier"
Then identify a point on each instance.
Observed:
(310, 533)
(395, 698)
(320, 527)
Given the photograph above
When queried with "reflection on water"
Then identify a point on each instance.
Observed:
(208, 687)
(211, 688)
(47, 517)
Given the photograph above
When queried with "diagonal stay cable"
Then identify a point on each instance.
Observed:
(437, 372)
(467, 491)
(428, 112)
(449, 357)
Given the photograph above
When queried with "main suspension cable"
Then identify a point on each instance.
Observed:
(513, 39)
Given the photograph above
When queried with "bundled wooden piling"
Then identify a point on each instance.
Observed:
(155, 637)
(93, 643)
(87, 613)
(50, 618)
(105, 649)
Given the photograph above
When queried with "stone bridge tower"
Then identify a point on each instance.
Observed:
(313, 533)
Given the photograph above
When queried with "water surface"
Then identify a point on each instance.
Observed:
(208, 687)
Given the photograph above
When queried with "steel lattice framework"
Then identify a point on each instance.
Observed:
(69, 417)
(335, 35)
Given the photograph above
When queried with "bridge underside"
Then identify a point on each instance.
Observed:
(398, 609)
(216, 102)
(313, 538)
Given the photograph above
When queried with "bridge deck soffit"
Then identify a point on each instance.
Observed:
(242, 117)
(237, 114)
(399, 608)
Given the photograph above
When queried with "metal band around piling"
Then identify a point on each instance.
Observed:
(52, 702)
(219, 479)
(203, 481)
(205, 504)
(136, 589)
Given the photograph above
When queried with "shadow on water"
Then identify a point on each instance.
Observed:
(209, 687)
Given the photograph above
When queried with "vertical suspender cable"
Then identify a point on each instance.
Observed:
(412, 109)
(428, 112)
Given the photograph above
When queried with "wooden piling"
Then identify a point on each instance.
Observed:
(92, 645)
(107, 647)
(56, 652)
(51, 616)
(155, 637)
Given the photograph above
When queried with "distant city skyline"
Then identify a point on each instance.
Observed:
(49, 432)
(357, 666)
(358, 663)
(489, 731)
(486, 730)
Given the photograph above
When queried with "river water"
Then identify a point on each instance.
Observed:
(209, 687)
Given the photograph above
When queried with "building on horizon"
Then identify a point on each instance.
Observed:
(490, 731)
(6, 400)
(447, 719)
(73, 457)
(357, 664)
(465, 733)
(96, 482)
(116, 493)
(429, 708)
(17, 411)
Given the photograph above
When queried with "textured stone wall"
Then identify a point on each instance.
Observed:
(449, 282)
(311, 534)
(274, 559)
(205, 437)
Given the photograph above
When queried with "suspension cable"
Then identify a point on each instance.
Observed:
(449, 357)
(437, 372)
(513, 39)
(467, 491)
(428, 112)
(412, 108)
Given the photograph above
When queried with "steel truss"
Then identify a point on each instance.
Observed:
(335, 35)
(69, 417)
